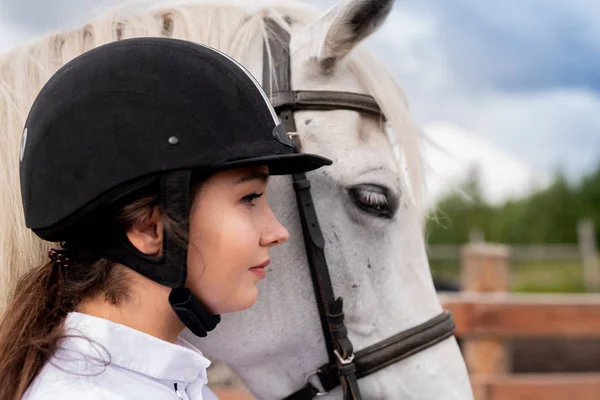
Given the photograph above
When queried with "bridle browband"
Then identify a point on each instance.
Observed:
(345, 366)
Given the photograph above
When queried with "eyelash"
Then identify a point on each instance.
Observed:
(250, 199)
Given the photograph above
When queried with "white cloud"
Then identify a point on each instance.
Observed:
(455, 151)
(550, 128)
(10, 37)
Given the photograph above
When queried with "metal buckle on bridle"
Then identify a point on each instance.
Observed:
(295, 138)
(307, 380)
(344, 361)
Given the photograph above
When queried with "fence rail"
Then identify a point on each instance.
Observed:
(502, 315)
(561, 252)
(537, 386)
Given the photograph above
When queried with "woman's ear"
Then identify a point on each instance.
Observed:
(146, 233)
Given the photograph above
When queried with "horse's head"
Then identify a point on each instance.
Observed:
(368, 209)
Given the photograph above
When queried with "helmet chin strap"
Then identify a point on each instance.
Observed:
(192, 313)
(170, 269)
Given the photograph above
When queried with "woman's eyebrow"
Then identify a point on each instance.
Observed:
(259, 175)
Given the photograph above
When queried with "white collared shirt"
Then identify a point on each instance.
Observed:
(104, 360)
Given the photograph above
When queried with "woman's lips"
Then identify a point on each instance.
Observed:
(259, 270)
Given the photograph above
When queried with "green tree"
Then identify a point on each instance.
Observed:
(546, 216)
(590, 199)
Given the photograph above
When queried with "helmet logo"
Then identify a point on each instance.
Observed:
(23, 144)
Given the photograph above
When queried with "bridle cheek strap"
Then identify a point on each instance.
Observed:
(344, 366)
(339, 347)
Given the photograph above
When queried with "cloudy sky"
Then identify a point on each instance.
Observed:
(511, 84)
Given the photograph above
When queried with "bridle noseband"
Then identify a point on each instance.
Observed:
(345, 366)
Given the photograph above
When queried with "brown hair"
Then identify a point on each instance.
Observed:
(32, 324)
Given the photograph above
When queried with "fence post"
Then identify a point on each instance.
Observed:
(476, 235)
(485, 268)
(589, 254)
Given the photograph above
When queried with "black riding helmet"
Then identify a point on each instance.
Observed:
(141, 112)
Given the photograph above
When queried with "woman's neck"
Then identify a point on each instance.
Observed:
(147, 310)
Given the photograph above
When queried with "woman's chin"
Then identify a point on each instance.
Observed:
(244, 300)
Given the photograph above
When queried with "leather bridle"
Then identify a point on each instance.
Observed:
(345, 366)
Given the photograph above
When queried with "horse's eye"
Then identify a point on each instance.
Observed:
(374, 199)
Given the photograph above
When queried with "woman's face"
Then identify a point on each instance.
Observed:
(232, 228)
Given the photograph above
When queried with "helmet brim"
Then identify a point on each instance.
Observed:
(281, 164)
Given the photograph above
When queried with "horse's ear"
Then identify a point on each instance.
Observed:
(345, 25)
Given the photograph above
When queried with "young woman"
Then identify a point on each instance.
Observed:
(148, 160)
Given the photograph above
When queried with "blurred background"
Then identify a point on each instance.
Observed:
(508, 94)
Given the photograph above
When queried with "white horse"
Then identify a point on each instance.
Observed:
(368, 202)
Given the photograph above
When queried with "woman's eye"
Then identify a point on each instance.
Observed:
(374, 199)
(251, 198)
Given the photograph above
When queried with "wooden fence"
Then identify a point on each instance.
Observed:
(487, 316)
(519, 252)
(584, 251)
(484, 323)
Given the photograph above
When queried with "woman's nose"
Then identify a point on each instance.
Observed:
(274, 233)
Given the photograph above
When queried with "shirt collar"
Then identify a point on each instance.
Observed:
(134, 350)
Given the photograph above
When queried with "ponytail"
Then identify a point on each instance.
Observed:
(32, 325)
(30, 329)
